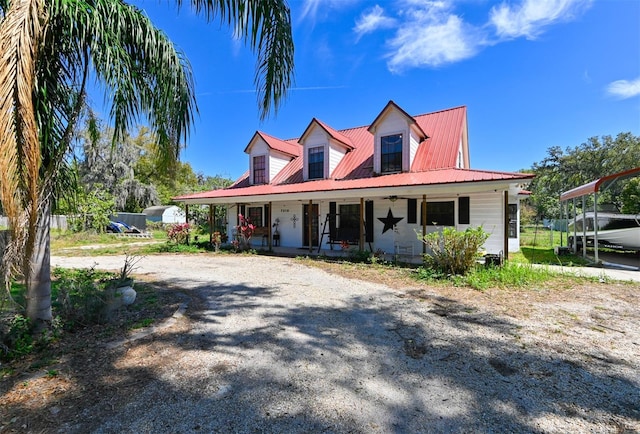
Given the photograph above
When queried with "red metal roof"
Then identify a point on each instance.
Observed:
(434, 162)
(594, 186)
(291, 148)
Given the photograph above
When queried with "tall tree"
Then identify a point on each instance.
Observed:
(562, 170)
(50, 47)
(112, 166)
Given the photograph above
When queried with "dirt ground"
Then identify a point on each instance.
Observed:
(586, 330)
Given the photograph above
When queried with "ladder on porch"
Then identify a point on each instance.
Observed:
(327, 231)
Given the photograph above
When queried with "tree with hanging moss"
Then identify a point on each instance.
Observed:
(50, 49)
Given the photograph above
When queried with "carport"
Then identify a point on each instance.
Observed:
(584, 191)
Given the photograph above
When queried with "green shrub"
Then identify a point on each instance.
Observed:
(357, 255)
(453, 252)
(17, 341)
(83, 296)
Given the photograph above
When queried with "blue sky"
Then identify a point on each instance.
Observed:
(532, 73)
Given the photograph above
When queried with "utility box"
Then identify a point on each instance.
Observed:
(561, 250)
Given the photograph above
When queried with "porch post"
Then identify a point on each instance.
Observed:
(584, 228)
(186, 212)
(361, 240)
(561, 231)
(506, 225)
(575, 229)
(595, 223)
(424, 221)
(269, 227)
(211, 223)
(310, 226)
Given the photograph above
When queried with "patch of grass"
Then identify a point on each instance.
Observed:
(510, 275)
(52, 373)
(172, 248)
(145, 322)
(545, 255)
(540, 236)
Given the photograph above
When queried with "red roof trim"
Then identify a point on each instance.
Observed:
(288, 148)
(411, 119)
(330, 131)
(431, 177)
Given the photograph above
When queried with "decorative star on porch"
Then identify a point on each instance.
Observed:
(389, 221)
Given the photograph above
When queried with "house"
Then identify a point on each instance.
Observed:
(373, 187)
(166, 214)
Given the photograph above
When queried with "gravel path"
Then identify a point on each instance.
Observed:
(281, 347)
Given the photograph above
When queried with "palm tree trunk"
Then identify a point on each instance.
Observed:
(37, 273)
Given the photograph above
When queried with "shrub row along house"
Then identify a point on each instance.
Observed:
(371, 187)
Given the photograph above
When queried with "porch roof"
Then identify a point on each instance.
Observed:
(330, 187)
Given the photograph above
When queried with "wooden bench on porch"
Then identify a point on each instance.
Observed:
(262, 233)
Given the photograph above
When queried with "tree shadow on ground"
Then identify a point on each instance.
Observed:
(360, 363)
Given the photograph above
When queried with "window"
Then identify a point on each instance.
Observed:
(255, 215)
(349, 223)
(439, 214)
(316, 163)
(391, 153)
(513, 220)
(259, 170)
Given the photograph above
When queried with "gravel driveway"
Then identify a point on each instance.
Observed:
(280, 347)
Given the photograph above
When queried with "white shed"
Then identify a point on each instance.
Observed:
(167, 214)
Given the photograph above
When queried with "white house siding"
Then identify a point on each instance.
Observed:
(487, 210)
(275, 163)
(413, 147)
(336, 152)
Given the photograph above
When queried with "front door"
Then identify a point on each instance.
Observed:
(314, 225)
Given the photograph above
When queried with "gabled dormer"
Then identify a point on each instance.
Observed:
(397, 137)
(323, 149)
(267, 156)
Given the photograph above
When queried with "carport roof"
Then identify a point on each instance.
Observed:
(598, 184)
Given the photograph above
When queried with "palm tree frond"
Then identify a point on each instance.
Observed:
(20, 32)
(265, 25)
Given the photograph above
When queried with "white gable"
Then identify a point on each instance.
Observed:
(275, 161)
(391, 124)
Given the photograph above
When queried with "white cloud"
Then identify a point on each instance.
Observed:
(624, 89)
(432, 36)
(530, 18)
(373, 20)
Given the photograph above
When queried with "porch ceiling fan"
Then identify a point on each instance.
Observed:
(393, 197)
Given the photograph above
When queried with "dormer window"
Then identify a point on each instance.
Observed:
(391, 153)
(315, 162)
(259, 169)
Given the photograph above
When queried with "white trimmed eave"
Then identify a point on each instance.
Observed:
(438, 190)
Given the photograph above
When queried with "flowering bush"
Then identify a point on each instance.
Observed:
(245, 231)
(178, 233)
(344, 244)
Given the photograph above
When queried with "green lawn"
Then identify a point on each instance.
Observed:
(537, 247)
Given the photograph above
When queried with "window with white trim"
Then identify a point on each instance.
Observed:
(259, 169)
(315, 162)
(391, 153)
